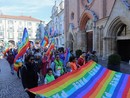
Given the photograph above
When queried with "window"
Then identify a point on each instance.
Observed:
(1, 34)
(10, 29)
(1, 28)
(37, 24)
(10, 22)
(72, 15)
(0, 21)
(10, 35)
(20, 34)
(20, 22)
(20, 29)
(29, 23)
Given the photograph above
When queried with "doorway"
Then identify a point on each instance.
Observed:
(123, 49)
(89, 41)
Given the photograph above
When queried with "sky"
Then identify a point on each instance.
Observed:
(40, 9)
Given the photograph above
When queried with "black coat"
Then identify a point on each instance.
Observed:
(29, 76)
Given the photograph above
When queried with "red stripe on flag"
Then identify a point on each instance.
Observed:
(124, 95)
(23, 50)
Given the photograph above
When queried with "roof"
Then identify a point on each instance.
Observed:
(29, 18)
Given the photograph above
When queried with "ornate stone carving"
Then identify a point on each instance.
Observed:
(126, 3)
(89, 25)
(87, 3)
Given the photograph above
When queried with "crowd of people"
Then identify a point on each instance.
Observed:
(37, 67)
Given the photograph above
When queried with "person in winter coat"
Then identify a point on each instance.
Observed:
(44, 65)
(29, 75)
(81, 59)
(10, 59)
(93, 57)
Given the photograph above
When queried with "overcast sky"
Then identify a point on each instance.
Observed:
(40, 9)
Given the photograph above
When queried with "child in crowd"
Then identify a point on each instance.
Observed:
(73, 63)
(49, 76)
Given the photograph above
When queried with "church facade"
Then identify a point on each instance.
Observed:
(100, 25)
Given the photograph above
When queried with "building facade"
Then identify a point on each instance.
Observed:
(100, 25)
(55, 27)
(11, 27)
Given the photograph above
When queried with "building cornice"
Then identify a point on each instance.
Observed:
(28, 18)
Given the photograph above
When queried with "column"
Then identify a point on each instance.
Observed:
(104, 48)
(94, 37)
(81, 41)
(101, 41)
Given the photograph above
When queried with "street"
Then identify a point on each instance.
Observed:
(10, 85)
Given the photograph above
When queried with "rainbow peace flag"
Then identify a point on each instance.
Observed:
(17, 64)
(5, 51)
(67, 56)
(45, 40)
(90, 81)
(23, 46)
(51, 47)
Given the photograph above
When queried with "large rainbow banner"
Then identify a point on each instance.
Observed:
(90, 81)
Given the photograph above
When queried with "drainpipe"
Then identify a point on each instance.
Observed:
(94, 36)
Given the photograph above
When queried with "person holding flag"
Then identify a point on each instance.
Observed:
(22, 48)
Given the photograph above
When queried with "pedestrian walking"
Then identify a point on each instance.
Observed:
(29, 75)
(10, 59)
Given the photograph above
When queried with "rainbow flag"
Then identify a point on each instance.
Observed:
(6, 50)
(90, 81)
(45, 40)
(17, 64)
(51, 47)
(67, 56)
(23, 46)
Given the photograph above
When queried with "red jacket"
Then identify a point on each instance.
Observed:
(81, 61)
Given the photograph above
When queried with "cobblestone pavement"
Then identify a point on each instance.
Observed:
(10, 85)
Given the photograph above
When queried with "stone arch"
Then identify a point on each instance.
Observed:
(88, 38)
(116, 37)
(87, 14)
(114, 25)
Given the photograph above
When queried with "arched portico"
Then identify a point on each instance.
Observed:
(87, 26)
(118, 39)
